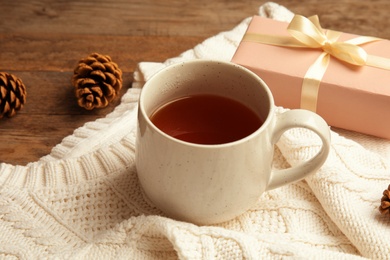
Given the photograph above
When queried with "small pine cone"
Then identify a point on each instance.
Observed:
(384, 208)
(97, 81)
(12, 94)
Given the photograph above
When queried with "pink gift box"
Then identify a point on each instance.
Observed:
(351, 97)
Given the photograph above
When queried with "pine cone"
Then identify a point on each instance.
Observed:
(12, 94)
(97, 81)
(384, 208)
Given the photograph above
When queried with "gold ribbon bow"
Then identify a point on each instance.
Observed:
(308, 33)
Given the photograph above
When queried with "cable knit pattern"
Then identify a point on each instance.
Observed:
(83, 201)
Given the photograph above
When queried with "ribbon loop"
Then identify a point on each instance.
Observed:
(349, 53)
(307, 32)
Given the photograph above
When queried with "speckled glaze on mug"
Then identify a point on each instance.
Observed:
(208, 184)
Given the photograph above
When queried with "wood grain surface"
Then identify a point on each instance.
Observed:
(41, 42)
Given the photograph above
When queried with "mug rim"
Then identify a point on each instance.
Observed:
(267, 121)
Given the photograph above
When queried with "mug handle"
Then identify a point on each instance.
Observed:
(305, 119)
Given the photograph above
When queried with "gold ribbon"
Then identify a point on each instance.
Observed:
(308, 33)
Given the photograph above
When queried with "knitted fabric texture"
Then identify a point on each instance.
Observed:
(83, 201)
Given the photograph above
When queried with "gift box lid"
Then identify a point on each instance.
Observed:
(352, 97)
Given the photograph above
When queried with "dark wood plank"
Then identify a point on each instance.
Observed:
(61, 52)
(176, 17)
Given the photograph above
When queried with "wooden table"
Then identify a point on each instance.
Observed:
(41, 42)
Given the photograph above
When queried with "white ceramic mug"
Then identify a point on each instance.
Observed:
(208, 184)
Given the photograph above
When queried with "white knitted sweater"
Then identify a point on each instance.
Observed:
(83, 200)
